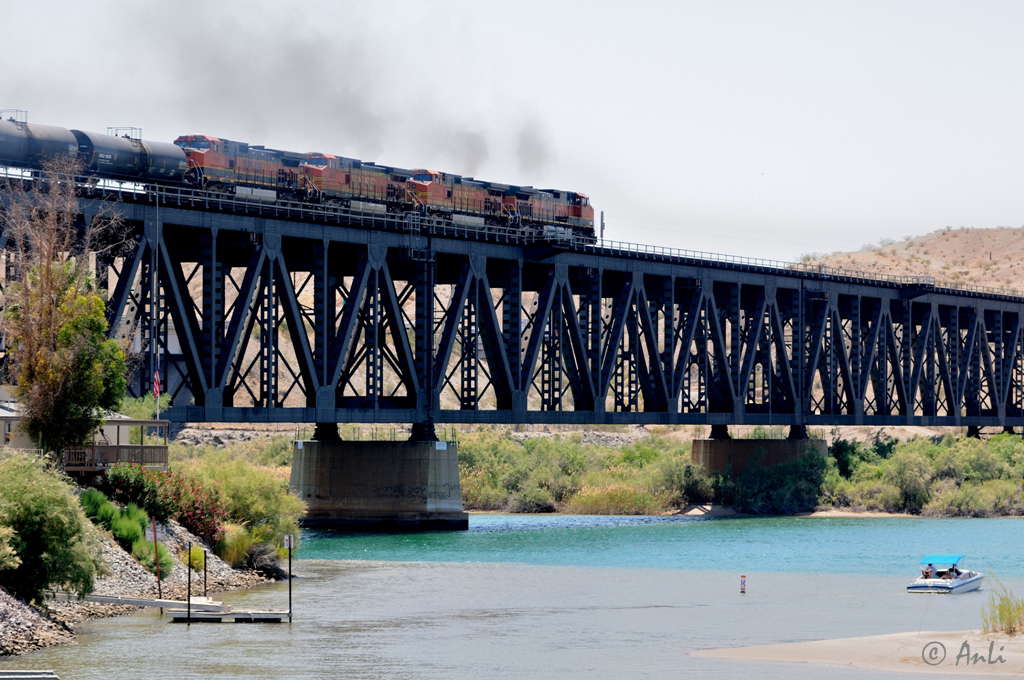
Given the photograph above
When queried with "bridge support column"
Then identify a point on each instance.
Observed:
(797, 432)
(379, 485)
(423, 432)
(974, 432)
(720, 432)
(326, 432)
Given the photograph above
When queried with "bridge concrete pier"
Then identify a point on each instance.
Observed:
(379, 485)
(721, 455)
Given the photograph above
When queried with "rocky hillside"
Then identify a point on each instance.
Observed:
(978, 257)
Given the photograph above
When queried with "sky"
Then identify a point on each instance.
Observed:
(757, 129)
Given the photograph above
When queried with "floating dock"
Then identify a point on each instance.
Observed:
(203, 610)
(204, 604)
(238, 616)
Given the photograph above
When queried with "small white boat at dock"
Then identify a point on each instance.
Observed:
(945, 574)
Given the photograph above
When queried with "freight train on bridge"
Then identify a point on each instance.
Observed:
(256, 173)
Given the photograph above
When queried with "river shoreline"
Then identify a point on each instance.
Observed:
(25, 628)
(714, 510)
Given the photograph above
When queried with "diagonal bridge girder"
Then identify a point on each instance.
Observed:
(275, 319)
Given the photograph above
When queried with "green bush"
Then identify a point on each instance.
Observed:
(169, 495)
(126, 531)
(683, 482)
(153, 491)
(616, 500)
(142, 550)
(49, 530)
(106, 514)
(783, 489)
(233, 545)
(531, 499)
(844, 453)
(140, 408)
(940, 477)
(136, 514)
(253, 495)
(910, 472)
(130, 483)
(970, 499)
(273, 451)
(875, 495)
(194, 558)
(91, 501)
(542, 474)
(479, 492)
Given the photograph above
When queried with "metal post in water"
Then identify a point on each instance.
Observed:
(288, 541)
(188, 606)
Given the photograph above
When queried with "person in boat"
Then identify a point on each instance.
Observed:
(928, 572)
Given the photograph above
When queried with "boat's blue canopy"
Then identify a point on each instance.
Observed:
(941, 559)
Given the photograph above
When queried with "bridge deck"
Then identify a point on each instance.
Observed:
(295, 313)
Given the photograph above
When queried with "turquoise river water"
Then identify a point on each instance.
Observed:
(566, 597)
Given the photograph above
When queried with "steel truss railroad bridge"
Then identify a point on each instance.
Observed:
(289, 312)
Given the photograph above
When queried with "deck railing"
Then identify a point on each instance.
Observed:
(101, 457)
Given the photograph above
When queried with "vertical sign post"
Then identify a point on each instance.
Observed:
(188, 610)
(288, 544)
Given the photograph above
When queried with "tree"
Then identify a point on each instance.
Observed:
(65, 369)
(50, 538)
(8, 558)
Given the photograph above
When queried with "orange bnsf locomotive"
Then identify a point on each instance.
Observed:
(323, 177)
(256, 173)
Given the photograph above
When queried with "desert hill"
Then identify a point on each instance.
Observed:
(976, 257)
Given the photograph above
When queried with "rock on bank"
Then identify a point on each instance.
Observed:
(24, 628)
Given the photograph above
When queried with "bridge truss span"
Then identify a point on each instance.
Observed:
(270, 317)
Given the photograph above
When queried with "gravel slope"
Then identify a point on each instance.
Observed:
(24, 628)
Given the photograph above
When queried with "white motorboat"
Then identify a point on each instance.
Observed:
(945, 574)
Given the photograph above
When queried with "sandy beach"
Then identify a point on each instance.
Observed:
(840, 512)
(716, 510)
(928, 652)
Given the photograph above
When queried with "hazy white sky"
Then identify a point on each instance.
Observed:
(752, 128)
